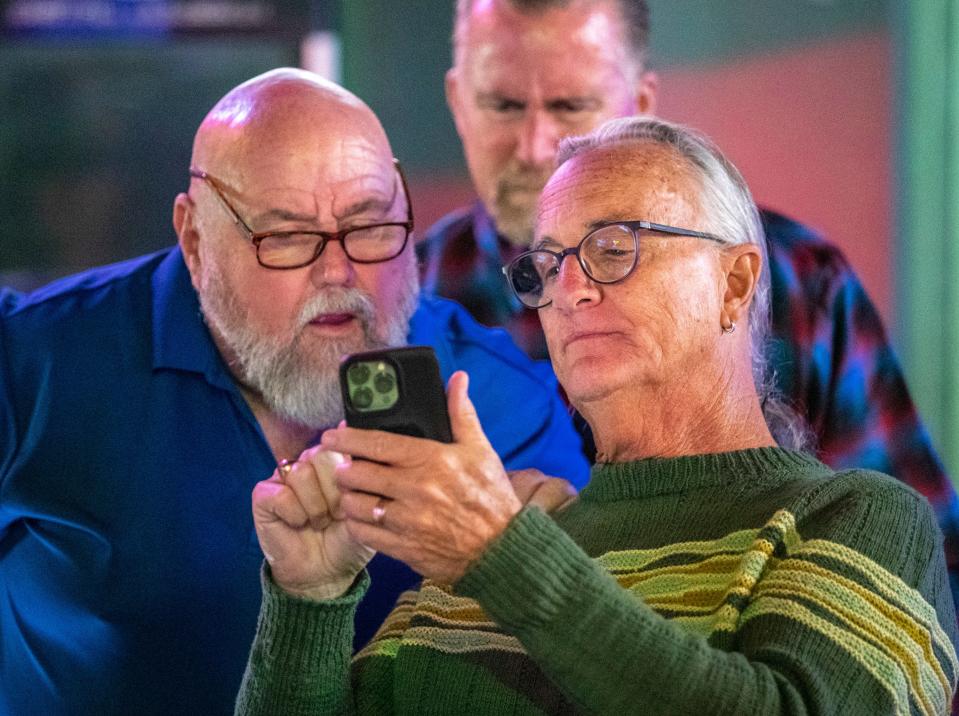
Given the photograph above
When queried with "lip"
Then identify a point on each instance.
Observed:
(333, 321)
(580, 336)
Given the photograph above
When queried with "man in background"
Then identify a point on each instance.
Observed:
(141, 402)
(525, 74)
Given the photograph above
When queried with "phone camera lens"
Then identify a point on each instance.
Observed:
(359, 373)
(384, 383)
(363, 398)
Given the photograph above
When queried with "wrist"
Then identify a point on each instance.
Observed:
(327, 591)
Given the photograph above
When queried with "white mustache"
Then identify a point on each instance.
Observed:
(338, 300)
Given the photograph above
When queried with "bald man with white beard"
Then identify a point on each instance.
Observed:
(141, 402)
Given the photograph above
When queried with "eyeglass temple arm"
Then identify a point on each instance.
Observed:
(650, 226)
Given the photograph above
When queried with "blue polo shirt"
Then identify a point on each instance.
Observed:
(128, 560)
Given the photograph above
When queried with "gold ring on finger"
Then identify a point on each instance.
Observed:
(379, 511)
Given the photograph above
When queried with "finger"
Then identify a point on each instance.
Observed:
(525, 482)
(305, 484)
(364, 507)
(464, 421)
(376, 537)
(375, 445)
(325, 464)
(273, 501)
(366, 476)
(552, 495)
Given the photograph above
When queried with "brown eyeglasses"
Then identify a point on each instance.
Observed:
(283, 250)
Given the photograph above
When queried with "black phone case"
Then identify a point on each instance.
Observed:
(420, 410)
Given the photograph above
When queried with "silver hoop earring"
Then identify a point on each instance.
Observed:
(730, 328)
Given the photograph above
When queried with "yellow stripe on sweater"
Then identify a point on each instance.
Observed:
(905, 636)
(883, 667)
(889, 587)
(891, 632)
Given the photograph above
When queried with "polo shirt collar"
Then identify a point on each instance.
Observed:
(181, 339)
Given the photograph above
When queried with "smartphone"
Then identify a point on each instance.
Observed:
(398, 390)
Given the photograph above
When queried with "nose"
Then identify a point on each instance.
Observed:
(333, 267)
(573, 288)
(538, 139)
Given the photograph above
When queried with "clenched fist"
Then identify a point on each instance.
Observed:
(303, 531)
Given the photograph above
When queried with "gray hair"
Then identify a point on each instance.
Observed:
(634, 14)
(730, 212)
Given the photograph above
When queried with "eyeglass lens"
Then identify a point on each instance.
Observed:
(366, 244)
(606, 255)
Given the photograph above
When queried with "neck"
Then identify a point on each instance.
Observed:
(677, 419)
(286, 439)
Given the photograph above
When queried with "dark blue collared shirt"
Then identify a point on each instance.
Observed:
(128, 560)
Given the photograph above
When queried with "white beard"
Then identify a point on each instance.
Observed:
(297, 380)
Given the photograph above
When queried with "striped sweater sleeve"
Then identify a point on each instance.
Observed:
(808, 625)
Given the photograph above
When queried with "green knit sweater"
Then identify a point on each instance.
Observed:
(753, 582)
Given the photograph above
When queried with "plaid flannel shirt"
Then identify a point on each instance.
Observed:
(829, 350)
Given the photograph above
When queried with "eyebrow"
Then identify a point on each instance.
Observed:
(360, 207)
(366, 205)
(588, 101)
(591, 226)
(599, 223)
(543, 241)
(281, 215)
(491, 97)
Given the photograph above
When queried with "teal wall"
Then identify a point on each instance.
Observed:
(95, 142)
(927, 38)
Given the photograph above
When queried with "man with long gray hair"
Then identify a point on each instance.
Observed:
(527, 73)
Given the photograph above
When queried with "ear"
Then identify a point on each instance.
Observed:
(452, 85)
(184, 213)
(647, 93)
(743, 265)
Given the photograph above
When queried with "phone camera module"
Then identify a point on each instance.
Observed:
(372, 386)
(384, 382)
(363, 398)
(359, 373)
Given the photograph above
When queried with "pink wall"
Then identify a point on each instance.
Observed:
(811, 131)
(810, 128)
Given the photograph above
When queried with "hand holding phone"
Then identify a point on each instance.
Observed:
(398, 390)
(434, 505)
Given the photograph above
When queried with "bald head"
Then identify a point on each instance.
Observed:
(280, 163)
(276, 115)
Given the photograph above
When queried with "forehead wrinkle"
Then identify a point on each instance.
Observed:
(590, 31)
(627, 182)
(334, 175)
(287, 128)
(356, 193)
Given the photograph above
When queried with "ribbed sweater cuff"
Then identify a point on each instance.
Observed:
(301, 654)
(300, 630)
(299, 663)
(524, 578)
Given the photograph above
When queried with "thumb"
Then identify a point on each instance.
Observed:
(464, 421)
